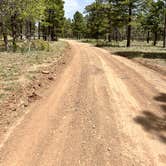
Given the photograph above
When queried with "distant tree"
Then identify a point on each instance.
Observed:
(21, 18)
(78, 25)
(132, 7)
(54, 18)
(67, 28)
(116, 16)
(153, 19)
(164, 29)
(97, 19)
(4, 21)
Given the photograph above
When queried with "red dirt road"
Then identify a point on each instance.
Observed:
(104, 110)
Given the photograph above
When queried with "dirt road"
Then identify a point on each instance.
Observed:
(104, 110)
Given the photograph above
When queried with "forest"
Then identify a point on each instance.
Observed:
(118, 20)
(30, 19)
(110, 20)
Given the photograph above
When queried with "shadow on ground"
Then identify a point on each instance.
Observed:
(153, 123)
(134, 54)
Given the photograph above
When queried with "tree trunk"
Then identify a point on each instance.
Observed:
(155, 38)
(14, 31)
(27, 29)
(52, 33)
(148, 37)
(21, 31)
(5, 41)
(44, 31)
(164, 32)
(39, 27)
(129, 26)
(30, 29)
(56, 38)
(34, 30)
(109, 37)
(116, 34)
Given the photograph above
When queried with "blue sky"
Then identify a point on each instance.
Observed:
(71, 6)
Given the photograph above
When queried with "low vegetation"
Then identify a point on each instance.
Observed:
(18, 69)
(30, 19)
(137, 49)
(153, 57)
(24, 74)
(121, 20)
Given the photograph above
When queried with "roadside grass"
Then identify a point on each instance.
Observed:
(119, 44)
(137, 49)
(18, 69)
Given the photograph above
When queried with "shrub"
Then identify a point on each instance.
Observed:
(40, 45)
(102, 43)
(34, 45)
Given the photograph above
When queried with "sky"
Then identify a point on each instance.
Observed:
(71, 6)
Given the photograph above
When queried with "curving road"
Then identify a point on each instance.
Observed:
(104, 110)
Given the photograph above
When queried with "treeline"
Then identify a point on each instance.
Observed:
(121, 20)
(30, 19)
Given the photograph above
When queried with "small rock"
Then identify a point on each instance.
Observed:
(33, 94)
(93, 126)
(109, 149)
(34, 87)
(51, 78)
(45, 72)
(26, 104)
(14, 109)
(8, 122)
(34, 77)
(39, 84)
(75, 109)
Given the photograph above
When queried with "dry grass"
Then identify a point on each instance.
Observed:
(22, 79)
(153, 57)
(137, 49)
(17, 69)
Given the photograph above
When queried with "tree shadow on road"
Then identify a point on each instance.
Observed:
(161, 97)
(153, 123)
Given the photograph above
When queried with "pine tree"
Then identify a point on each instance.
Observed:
(164, 29)
(78, 25)
(117, 16)
(54, 18)
(67, 28)
(132, 8)
(153, 19)
(97, 19)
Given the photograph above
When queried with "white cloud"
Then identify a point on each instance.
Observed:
(71, 6)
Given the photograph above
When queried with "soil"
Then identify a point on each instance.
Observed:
(102, 110)
(158, 65)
